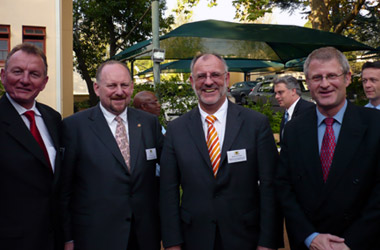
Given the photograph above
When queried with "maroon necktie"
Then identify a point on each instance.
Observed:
(36, 134)
(328, 147)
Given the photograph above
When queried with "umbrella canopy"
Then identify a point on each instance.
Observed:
(234, 65)
(279, 43)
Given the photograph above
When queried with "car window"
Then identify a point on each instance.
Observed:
(303, 85)
(266, 88)
(251, 84)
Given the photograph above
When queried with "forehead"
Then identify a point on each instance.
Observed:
(114, 73)
(208, 63)
(280, 86)
(324, 66)
(25, 60)
(371, 71)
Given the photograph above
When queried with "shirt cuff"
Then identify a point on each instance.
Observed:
(310, 239)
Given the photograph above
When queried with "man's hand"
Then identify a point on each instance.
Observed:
(172, 248)
(264, 248)
(325, 241)
(339, 246)
(69, 245)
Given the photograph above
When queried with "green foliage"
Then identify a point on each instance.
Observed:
(2, 90)
(356, 93)
(266, 109)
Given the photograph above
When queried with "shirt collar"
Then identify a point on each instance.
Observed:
(111, 117)
(20, 109)
(290, 110)
(219, 114)
(370, 105)
(337, 117)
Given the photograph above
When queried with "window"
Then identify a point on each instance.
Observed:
(5, 37)
(34, 35)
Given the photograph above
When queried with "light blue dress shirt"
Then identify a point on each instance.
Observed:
(370, 105)
(338, 118)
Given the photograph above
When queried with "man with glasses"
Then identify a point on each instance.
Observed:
(371, 83)
(328, 178)
(223, 157)
(288, 95)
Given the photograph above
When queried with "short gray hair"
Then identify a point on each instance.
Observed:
(327, 54)
(290, 81)
(205, 55)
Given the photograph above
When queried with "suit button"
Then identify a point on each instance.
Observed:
(355, 181)
(128, 219)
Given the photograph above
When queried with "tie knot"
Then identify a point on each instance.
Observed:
(118, 119)
(210, 119)
(30, 115)
(329, 121)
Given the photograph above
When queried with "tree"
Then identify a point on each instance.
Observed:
(101, 28)
(329, 15)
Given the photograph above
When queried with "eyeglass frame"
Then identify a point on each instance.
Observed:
(214, 78)
(329, 77)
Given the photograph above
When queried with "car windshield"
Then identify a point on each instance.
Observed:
(251, 84)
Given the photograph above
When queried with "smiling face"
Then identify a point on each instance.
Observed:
(330, 94)
(371, 84)
(115, 88)
(209, 81)
(24, 78)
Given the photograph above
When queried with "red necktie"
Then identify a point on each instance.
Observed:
(36, 134)
(328, 147)
(213, 144)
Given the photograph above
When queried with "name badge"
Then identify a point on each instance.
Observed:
(151, 154)
(238, 155)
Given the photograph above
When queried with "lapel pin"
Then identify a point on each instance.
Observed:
(138, 125)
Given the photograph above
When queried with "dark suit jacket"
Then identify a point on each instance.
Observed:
(244, 210)
(99, 195)
(348, 204)
(27, 183)
(300, 107)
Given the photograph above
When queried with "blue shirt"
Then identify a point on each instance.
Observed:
(370, 105)
(338, 118)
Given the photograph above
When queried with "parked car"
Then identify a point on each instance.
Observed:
(264, 91)
(240, 91)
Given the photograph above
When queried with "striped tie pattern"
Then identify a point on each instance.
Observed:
(213, 144)
(328, 147)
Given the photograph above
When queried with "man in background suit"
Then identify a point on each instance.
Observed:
(371, 83)
(329, 172)
(109, 190)
(228, 199)
(28, 171)
(288, 95)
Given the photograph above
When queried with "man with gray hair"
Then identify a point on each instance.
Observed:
(328, 179)
(288, 95)
(223, 156)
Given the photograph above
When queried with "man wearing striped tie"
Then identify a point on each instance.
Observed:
(222, 156)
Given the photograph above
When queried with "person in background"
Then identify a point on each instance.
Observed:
(288, 95)
(29, 155)
(371, 83)
(223, 157)
(109, 192)
(328, 179)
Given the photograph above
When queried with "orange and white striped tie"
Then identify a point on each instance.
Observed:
(213, 144)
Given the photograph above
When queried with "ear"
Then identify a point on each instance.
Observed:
(96, 88)
(348, 78)
(44, 83)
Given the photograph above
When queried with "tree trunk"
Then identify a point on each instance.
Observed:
(84, 71)
(319, 16)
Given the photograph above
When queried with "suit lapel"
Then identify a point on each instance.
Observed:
(350, 136)
(101, 129)
(197, 135)
(18, 130)
(135, 135)
(233, 124)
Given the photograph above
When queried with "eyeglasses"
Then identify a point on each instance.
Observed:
(329, 77)
(214, 76)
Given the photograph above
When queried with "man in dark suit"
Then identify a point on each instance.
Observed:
(28, 170)
(109, 190)
(371, 83)
(329, 172)
(223, 157)
(288, 95)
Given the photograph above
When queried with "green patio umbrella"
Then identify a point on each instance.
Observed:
(279, 43)
(234, 65)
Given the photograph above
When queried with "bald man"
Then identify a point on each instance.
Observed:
(147, 101)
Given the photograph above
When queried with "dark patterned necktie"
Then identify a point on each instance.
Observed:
(328, 147)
